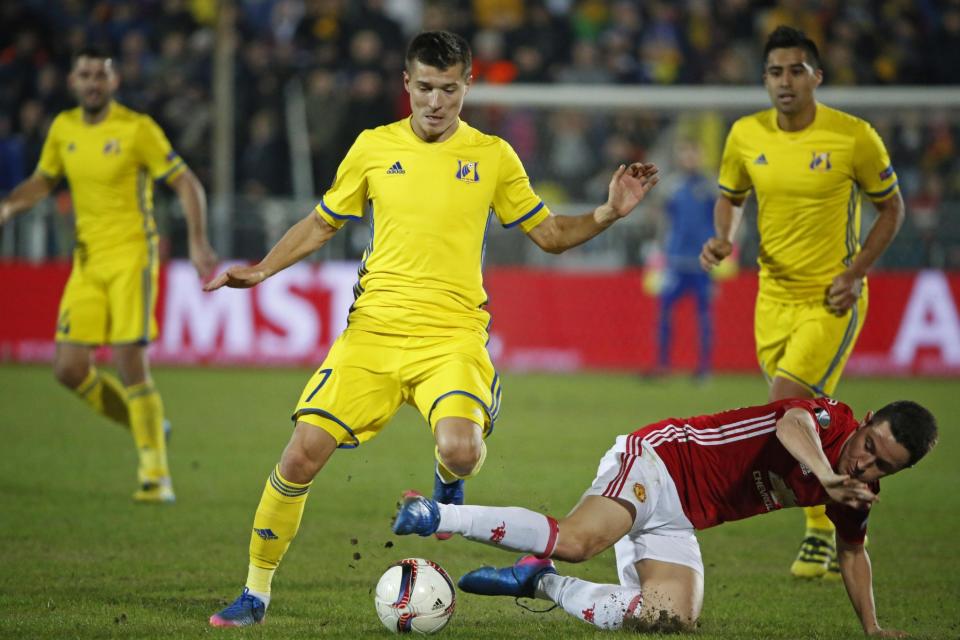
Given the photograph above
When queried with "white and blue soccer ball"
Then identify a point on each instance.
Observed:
(415, 595)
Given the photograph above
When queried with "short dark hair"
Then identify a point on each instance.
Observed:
(94, 51)
(784, 37)
(440, 49)
(912, 425)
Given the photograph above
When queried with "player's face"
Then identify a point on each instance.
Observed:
(94, 82)
(436, 98)
(790, 80)
(872, 453)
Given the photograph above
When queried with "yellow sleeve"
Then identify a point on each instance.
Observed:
(871, 165)
(733, 180)
(155, 151)
(51, 164)
(514, 201)
(345, 200)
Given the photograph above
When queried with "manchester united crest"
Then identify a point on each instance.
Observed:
(640, 491)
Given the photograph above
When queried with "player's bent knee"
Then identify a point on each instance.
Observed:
(462, 451)
(70, 374)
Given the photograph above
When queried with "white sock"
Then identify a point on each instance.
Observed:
(507, 527)
(263, 596)
(602, 605)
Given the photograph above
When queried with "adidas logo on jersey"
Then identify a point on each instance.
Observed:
(396, 169)
(761, 159)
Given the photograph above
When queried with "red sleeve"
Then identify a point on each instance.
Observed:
(851, 524)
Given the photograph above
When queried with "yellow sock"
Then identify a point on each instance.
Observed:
(817, 519)
(274, 527)
(449, 476)
(146, 423)
(105, 395)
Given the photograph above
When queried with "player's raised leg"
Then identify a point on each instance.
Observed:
(73, 368)
(460, 454)
(277, 520)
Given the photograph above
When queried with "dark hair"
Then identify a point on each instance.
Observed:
(912, 426)
(440, 49)
(92, 51)
(784, 37)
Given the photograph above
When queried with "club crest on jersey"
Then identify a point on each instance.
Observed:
(640, 491)
(467, 171)
(821, 161)
(111, 147)
(71, 147)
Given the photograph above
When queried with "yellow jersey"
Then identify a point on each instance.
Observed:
(429, 205)
(111, 167)
(808, 185)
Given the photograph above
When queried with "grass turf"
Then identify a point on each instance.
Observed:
(80, 560)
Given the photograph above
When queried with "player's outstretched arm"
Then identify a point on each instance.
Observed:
(727, 214)
(300, 240)
(798, 435)
(628, 187)
(194, 202)
(847, 287)
(25, 195)
(858, 580)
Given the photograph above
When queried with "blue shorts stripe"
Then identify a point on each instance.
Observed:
(845, 343)
(332, 418)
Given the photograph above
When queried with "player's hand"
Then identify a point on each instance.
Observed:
(888, 633)
(714, 251)
(844, 293)
(204, 258)
(848, 491)
(238, 278)
(628, 187)
(6, 212)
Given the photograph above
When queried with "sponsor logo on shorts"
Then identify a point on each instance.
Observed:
(498, 533)
(640, 491)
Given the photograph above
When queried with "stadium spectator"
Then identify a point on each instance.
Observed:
(660, 484)
(104, 149)
(417, 328)
(807, 163)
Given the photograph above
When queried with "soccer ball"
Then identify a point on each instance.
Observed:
(415, 595)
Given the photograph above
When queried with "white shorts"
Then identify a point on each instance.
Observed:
(661, 531)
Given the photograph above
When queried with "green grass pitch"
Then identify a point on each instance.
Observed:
(80, 560)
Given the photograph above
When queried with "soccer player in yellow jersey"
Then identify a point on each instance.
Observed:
(430, 184)
(809, 165)
(111, 155)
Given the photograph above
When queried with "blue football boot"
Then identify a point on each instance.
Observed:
(245, 611)
(416, 514)
(445, 493)
(519, 581)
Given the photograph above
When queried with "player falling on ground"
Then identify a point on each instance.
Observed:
(111, 155)
(418, 327)
(656, 486)
(808, 164)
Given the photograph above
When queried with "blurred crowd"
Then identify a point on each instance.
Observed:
(346, 57)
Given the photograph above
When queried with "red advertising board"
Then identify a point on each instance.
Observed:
(542, 319)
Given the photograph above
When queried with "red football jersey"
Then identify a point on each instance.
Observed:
(731, 465)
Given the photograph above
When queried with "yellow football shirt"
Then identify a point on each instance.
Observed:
(111, 167)
(808, 186)
(429, 205)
